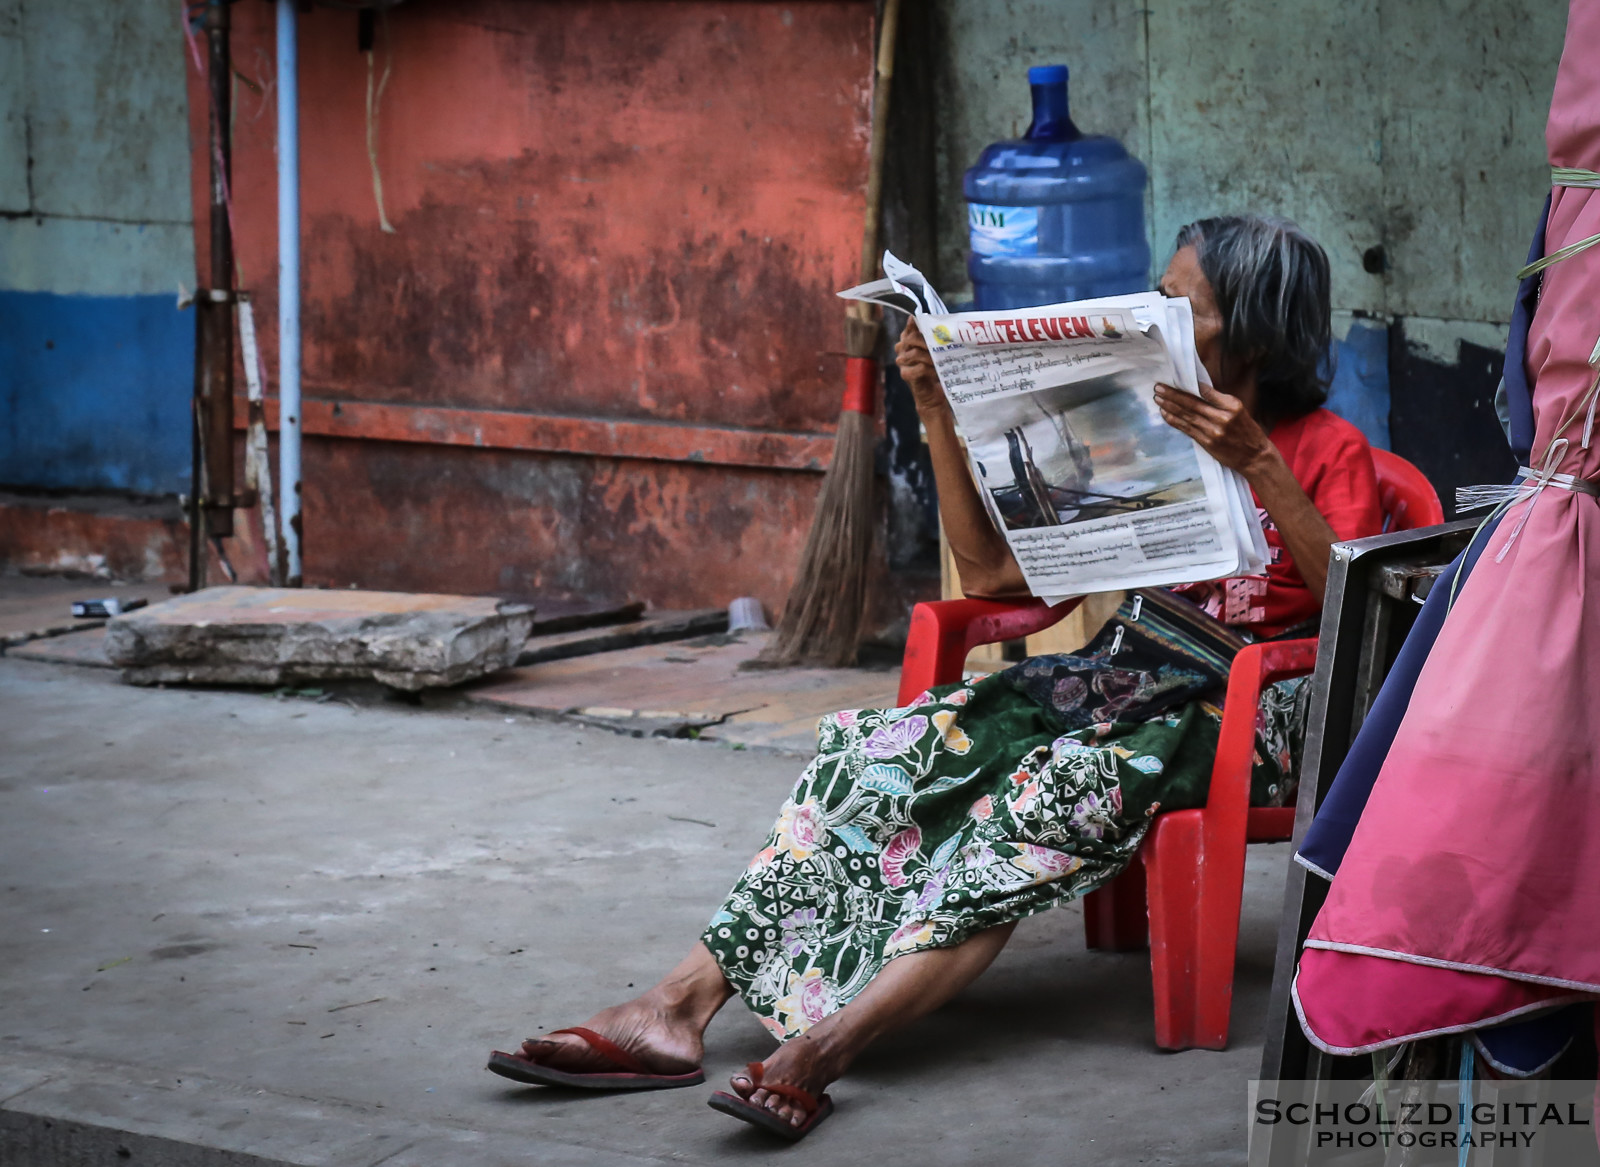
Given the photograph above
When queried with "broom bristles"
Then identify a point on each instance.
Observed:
(821, 623)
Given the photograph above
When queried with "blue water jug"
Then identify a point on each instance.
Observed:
(1058, 215)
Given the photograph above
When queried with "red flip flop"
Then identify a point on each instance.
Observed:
(816, 1109)
(630, 1074)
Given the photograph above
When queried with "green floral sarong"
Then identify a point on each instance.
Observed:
(918, 827)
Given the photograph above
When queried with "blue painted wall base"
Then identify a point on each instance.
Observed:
(95, 392)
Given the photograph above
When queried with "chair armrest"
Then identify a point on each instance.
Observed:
(1256, 667)
(944, 631)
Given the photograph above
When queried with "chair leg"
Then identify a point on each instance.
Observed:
(1114, 917)
(1195, 863)
(1221, 901)
(1173, 855)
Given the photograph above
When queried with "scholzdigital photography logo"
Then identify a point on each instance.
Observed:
(1353, 1123)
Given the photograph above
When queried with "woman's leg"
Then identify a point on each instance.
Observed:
(662, 1027)
(907, 988)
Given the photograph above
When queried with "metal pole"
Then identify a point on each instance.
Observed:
(195, 511)
(214, 311)
(289, 291)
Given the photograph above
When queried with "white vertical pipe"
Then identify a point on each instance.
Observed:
(289, 289)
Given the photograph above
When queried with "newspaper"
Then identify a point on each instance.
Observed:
(1092, 489)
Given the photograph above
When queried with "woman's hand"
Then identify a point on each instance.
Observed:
(916, 366)
(982, 557)
(1222, 426)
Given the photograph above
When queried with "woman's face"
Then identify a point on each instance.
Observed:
(1183, 277)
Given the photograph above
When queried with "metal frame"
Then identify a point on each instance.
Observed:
(1375, 589)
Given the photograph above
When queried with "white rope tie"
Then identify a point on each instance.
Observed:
(1546, 477)
(1574, 176)
(1529, 486)
(1539, 265)
(1594, 396)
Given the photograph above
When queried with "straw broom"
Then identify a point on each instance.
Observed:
(821, 622)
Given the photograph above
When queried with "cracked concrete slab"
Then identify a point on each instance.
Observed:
(87, 648)
(276, 636)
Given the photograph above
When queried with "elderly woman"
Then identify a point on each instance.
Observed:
(919, 837)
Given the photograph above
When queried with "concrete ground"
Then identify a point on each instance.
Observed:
(696, 687)
(242, 930)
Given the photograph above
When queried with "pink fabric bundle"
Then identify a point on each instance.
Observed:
(1471, 888)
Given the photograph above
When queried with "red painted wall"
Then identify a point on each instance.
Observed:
(608, 211)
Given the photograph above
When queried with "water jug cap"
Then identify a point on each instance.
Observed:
(1047, 74)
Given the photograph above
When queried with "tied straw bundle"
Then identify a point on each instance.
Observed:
(821, 622)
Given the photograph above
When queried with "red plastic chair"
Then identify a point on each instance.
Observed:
(1184, 899)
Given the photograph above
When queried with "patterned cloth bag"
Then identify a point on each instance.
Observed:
(1158, 650)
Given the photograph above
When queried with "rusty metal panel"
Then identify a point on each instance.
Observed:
(503, 430)
(127, 539)
(613, 209)
(404, 516)
(618, 228)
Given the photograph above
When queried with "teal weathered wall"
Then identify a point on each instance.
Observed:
(1416, 126)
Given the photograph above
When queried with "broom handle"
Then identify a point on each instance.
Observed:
(880, 138)
(861, 377)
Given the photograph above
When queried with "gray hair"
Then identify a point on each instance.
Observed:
(1270, 280)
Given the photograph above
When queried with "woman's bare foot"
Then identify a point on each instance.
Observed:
(811, 1061)
(663, 1028)
(907, 988)
(665, 1040)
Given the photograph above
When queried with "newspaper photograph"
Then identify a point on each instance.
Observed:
(1092, 489)
(1082, 450)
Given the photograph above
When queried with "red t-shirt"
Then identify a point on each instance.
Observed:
(1332, 462)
